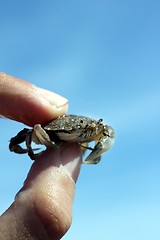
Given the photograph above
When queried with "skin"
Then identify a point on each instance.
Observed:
(43, 207)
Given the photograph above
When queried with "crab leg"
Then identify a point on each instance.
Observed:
(86, 147)
(31, 154)
(43, 137)
(15, 142)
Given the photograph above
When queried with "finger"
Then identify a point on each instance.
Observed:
(26, 103)
(43, 207)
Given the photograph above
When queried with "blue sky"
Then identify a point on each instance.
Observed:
(104, 56)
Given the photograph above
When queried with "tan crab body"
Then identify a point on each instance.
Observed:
(67, 128)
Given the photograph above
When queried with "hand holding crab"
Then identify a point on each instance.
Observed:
(67, 128)
(27, 216)
(32, 213)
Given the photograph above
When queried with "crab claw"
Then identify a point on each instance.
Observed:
(104, 144)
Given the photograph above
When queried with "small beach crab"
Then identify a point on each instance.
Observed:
(66, 128)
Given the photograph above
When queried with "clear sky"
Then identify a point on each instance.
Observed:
(104, 56)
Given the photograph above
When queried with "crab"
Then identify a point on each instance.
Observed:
(66, 128)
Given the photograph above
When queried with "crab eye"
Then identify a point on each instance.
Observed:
(81, 121)
(100, 120)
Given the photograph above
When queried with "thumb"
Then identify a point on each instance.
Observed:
(43, 207)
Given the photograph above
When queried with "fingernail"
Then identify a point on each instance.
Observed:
(54, 99)
(71, 157)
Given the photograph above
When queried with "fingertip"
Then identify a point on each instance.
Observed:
(71, 157)
(54, 99)
(33, 105)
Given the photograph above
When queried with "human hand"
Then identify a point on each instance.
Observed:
(43, 207)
